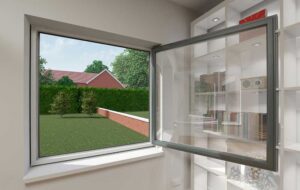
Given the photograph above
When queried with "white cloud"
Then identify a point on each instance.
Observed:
(74, 55)
(54, 45)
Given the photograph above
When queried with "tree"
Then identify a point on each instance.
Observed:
(61, 103)
(132, 68)
(45, 75)
(65, 81)
(96, 67)
(88, 102)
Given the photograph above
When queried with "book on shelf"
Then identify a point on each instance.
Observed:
(246, 35)
(249, 126)
(211, 82)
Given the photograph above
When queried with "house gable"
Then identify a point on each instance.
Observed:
(105, 80)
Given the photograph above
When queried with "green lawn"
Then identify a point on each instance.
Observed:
(144, 114)
(77, 132)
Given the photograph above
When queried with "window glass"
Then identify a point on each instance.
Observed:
(91, 96)
(214, 96)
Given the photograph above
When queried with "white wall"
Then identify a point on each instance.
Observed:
(153, 20)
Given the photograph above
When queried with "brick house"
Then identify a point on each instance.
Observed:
(104, 79)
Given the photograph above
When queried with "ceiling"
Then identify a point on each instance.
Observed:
(198, 6)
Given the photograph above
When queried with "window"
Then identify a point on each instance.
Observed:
(215, 94)
(205, 98)
(87, 98)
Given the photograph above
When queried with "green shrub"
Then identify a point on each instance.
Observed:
(114, 99)
(48, 92)
(88, 102)
(65, 81)
(61, 103)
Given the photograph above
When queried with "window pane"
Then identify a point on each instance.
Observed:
(91, 96)
(214, 96)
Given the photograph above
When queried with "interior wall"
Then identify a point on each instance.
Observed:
(156, 20)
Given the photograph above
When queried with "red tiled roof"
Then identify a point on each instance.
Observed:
(76, 77)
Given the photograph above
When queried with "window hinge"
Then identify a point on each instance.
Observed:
(277, 32)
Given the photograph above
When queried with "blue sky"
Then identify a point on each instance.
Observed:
(74, 55)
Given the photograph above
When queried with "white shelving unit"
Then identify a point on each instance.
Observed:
(291, 12)
(290, 104)
(221, 55)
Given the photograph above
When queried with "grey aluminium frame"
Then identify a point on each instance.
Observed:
(35, 160)
(271, 161)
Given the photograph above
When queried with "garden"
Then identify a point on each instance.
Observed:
(69, 124)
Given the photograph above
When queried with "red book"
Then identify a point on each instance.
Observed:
(255, 32)
(256, 16)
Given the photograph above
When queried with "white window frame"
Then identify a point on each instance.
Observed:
(35, 29)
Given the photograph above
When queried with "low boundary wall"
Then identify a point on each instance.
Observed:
(138, 124)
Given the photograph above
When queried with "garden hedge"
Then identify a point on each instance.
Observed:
(114, 99)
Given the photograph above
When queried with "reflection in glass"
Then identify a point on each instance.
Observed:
(216, 98)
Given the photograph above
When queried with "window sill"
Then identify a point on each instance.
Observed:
(56, 170)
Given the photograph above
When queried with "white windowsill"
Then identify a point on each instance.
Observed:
(55, 170)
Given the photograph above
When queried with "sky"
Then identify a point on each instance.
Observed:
(74, 55)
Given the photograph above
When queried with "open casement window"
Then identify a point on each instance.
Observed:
(215, 94)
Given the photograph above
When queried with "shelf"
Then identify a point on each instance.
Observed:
(293, 147)
(210, 93)
(291, 12)
(241, 185)
(231, 123)
(239, 59)
(221, 135)
(211, 57)
(195, 122)
(293, 29)
(230, 92)
(211, 166)
(295, 88)
(249, 44)
(199, 116)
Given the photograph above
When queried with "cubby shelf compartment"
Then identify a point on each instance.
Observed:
(258, 42)
(292, 118)
(291, 12)
(291, 167)
(239, 9)
(210, 57)
(295, 147)
(293, 29)
(240, 139)
(207, 21)
(289, 89)
(292, 56)
(211, 166)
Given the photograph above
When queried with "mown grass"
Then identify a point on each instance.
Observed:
(79, 132)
